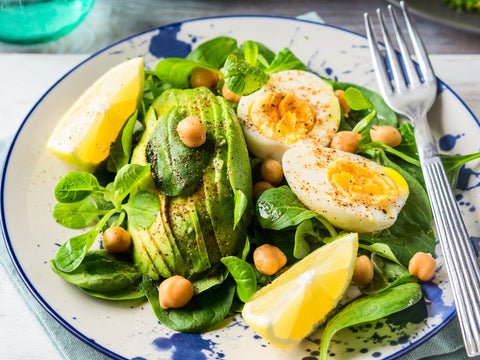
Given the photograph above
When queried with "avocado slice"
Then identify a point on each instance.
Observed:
(141, 258)
(195, 228)
(238, 161)
(165, 240)
(145, 240)
(186, 229)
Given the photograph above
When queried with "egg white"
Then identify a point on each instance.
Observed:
(306, 171)
(305, 86)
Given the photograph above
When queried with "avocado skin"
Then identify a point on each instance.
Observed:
(194, 230)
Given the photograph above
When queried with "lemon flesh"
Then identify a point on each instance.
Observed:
(84, 135)
(299, 300)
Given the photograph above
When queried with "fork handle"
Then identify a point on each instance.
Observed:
(459, 254)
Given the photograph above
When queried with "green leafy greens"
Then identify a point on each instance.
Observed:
(77, 208)
(189, 210)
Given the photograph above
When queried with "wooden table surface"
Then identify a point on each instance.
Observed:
(112, 20)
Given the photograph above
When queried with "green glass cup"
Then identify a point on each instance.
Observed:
(36, 21)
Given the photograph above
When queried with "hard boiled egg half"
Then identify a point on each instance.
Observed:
(350, 191)
(295, 107)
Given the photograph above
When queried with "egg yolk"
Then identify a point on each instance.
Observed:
(282, 116)
(362, 183)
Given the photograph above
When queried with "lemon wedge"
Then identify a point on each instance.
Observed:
(84, 135)
(299, 300)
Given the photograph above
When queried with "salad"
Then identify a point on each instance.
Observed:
(198, 213)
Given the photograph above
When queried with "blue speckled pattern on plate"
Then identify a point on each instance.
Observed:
(130, 330)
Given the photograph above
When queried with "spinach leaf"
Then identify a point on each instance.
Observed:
(243, 274)
(208, 279)
(101, 272)
(307, 239)
(453, 164)
(264, 56)
(176, 168)
(279, 208)
(372, 147)
(132, 292)
(382, 250)
(213, 53)
(72, 252)
(408, 146)
(154, 87)
(201, 313)
(370, 308)
(386, 274)
(75, 186)
(77, 215)
(404, 244)
(262, 279)
(357, 102)
(285, 59)
(176, 72)
(241, 77)
(250, 52)
(122, 148)
(241, 204)
(384, 115)
(102, 199)
(126, 179)
(142, 209)
(246, 248)
(117, 219)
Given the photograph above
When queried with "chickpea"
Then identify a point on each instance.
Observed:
(422, 266)
(203, 77)
(268, 259)
(259, 188)
(175, 292)
(272, 171)
(192, 131)
(343, 102)
(363, 273)
(387, 135)
(116, 239)
(346, 141)
(229, 95)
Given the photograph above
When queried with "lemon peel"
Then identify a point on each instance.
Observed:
(85, 133)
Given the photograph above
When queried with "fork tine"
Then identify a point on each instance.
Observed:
(407, 60)
(397, 71)
(418, 46)
(378, 63)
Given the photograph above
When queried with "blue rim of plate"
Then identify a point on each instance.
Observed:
(7, 239)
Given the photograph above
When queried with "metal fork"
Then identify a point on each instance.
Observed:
(411, 92)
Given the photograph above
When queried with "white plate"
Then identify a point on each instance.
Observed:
(130, 330)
